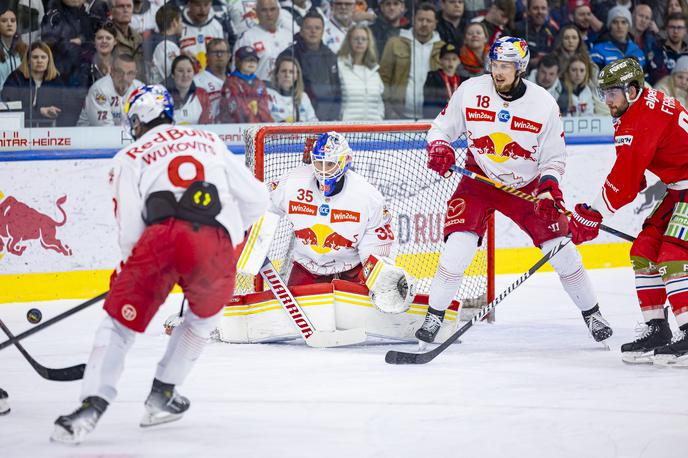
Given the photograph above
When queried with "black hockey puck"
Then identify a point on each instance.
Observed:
(34, 316)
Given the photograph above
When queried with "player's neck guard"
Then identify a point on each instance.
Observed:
(517, 90)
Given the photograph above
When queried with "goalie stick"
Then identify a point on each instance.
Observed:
(312, 337)
(528, 197)
(66, 374)
(400, 357)
(53, 320)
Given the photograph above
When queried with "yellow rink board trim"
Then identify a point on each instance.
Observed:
(85, 284)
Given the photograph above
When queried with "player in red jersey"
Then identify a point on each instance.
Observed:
(650, 133)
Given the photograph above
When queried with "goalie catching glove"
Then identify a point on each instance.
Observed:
(391, 288)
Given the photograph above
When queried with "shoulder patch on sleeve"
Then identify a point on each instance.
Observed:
(100, 98)
(623, 140)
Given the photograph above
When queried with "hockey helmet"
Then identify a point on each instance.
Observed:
(510, 49)
(619, 75)
(330, 158)
(148, 103)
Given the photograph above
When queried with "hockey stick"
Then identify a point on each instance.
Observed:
(66, 374)
(53, 320)
(312, 337)
(400, 357)
(528, 197)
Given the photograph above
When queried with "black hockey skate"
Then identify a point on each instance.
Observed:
(72, 428)
(655, 334)
(676, 353)
(431, 326)
(4, 404)
(163, 405)
(599, 327)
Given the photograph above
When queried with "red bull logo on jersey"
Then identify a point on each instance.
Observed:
(500, 147)
(299, 208)
(322, 238)
(525, 125)
(476, 114)
(20, 222)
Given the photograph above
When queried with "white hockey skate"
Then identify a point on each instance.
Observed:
(73, 428)
(164, 405)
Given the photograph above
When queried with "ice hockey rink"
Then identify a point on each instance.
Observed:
(533, 384)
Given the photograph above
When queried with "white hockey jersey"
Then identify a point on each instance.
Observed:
(103, 105)
(213, 87)
(512, 142)
(268, 46)
(337, 233)
(170, 158)
(282, 108)
(163, 55)
(194, 37)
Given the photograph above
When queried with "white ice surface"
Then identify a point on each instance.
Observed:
(531, 385)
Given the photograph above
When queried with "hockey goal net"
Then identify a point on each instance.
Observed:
(391, 157)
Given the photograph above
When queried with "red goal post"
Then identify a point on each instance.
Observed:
(392, 157)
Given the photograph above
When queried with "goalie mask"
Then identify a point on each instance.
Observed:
(330, 158)
(146, 104)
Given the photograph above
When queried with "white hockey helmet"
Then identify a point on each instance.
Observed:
(510, 49)
(148, 103)
(330, 157)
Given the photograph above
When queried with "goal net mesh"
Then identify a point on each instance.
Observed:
(393, 159)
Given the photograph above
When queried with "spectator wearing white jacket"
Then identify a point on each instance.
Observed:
(362, 87)
(288, 101)
(578, 95)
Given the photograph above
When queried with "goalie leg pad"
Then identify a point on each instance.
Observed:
(573, 276)
(456, 257)
(106, 363)
(184, 347)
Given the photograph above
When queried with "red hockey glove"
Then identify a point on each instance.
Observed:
(550, 200)
(441, 156)
(584, 223)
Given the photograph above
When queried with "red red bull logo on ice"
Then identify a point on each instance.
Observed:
(20, 223)
(500, 147)
(323, 239)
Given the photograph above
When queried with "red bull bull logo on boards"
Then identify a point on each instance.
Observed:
(20, 222)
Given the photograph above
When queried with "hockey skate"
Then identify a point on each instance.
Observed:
(655, 334)
(599, 327)
(4, 404)
(72, 428)
(163, 405)
(675, 354)
(430, 327)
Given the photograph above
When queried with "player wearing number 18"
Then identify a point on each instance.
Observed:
(515, 137)
(650, 133)
(182, 203)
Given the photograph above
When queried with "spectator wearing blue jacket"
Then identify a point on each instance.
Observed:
(619, 46)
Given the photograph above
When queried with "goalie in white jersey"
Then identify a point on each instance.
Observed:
(515, 137)
(182, 203)
(340, 222)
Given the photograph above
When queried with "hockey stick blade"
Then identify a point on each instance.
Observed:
(400, 357)
(54, 320)
(529, 197)
(66, 374)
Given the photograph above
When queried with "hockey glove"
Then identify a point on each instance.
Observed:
(550, 200)
(584, 223)
(441, 156)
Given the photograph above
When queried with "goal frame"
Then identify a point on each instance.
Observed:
(259, 172)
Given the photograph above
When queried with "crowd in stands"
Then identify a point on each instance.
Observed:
(74, 62)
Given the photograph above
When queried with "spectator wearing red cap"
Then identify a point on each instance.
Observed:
(588, 24)
(245, 96)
